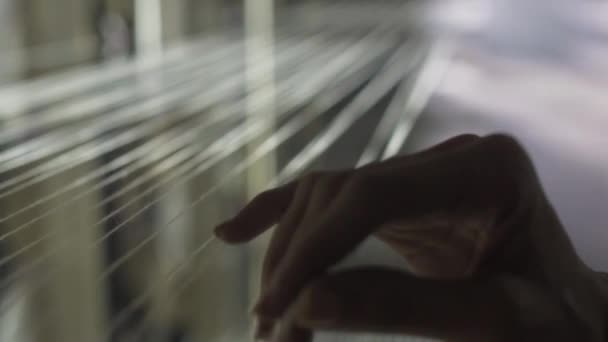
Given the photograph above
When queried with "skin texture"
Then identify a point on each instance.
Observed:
(490, 259)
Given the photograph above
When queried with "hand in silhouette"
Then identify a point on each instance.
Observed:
(490, 260)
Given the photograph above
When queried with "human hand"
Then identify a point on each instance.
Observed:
(490, 259)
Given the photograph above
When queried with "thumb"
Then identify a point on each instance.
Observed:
(380, 300)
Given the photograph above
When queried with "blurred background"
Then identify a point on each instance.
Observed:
(130, 128)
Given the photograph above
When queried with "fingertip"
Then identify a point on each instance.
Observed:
(259, 215)
(222, 231)
(228, 233)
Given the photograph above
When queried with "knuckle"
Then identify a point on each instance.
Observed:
(515, 175)
(505, 146)
(510, 156)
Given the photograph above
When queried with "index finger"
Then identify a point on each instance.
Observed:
(258, 215)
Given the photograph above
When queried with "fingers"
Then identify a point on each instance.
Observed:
(257, 216)
(315, 192)
(378, 300)
(279, 241)
(463, 173)
(287, 226)
(326, 238)
(476, 178)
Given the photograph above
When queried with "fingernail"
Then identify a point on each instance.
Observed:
(318, 307)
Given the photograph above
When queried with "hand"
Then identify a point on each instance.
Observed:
(490, 259)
